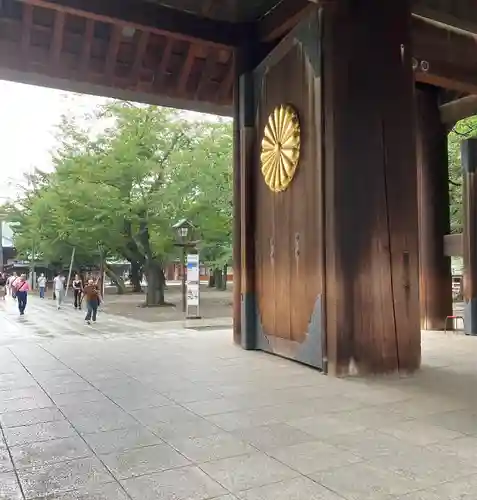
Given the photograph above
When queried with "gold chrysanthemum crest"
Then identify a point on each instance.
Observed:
(280, 151)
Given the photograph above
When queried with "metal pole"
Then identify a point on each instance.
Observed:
(70, 271)
(184, 274)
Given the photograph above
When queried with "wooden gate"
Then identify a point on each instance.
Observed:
(289, 269)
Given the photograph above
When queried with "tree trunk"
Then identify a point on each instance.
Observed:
(224, 278)
(211, 278)
(136, 272)
(155, 284)
(218, 278)
(117, 280)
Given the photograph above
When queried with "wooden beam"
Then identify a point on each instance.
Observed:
(152, 17)
(186, 69)
(86, 48)
(452, 112)
(139, 55)
(27, 20)
(283, 18)
(439, 16)
(161, 72)
(112, 54)
(446, 75)
(212, 57)
(227, 84)
(57, 39)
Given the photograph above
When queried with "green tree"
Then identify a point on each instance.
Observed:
(122, 182)
(462, 130)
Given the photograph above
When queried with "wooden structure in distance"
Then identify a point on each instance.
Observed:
(162, 53)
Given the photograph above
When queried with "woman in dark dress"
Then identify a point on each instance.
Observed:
(77, 290)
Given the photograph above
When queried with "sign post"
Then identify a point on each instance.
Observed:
(193, 286)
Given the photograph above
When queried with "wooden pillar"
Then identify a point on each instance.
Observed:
(469, 165)
(371, 233)
(237, 228)
(435, 278)
(247, 207)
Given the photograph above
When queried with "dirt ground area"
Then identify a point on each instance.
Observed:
(213, 304)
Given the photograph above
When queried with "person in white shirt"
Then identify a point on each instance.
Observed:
(59, 287)
(42, 285)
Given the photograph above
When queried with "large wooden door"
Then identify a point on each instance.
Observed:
(289, 271)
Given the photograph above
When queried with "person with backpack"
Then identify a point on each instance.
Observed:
(22, 287)
(93, 298)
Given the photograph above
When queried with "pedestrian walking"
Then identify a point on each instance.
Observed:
(59, 289)
(77, 286)
(3, 286)
(22, 288)
(11, 280)
(93, 299)
(41, 282)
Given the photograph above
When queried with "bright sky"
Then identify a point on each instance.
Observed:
(28, 115)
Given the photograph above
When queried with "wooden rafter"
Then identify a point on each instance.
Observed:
(113, 48)
(161, 72)
(186, 69)
(27, 20)
(151, 17)
(211, 60)
(57, 39)
(283, 18)
(227, 84)
(139, 55)
(86, 47)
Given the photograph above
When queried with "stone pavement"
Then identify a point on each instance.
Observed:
(125, 410)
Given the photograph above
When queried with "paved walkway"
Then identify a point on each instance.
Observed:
(125, 411)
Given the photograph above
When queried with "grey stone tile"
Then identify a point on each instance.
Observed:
(215, 447)
(140, 401)
(198, 427)
(247, 471)
(25, 392)
(17, 383)
(233, 421)
(108, 491)
(90, 408)
(25, 404)
(63, 477)
(420, 433)
(140, 461)
(49, 452)
(90, 424)
(462, 421)
(60, 387)
(300, 488)
(5, 462)
(78, 398)
(460, 489)
(464, 449)
(38, 432)
(313, 457)
(363, 482)
(369, 444)
(121, 439)
(9, 487)
(426, 468)
(30, 417)
(187, 483)
(322, 426)
(163, 414)
(274, 435)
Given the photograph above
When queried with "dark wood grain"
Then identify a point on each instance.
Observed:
(372, 302)
(435, 280)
